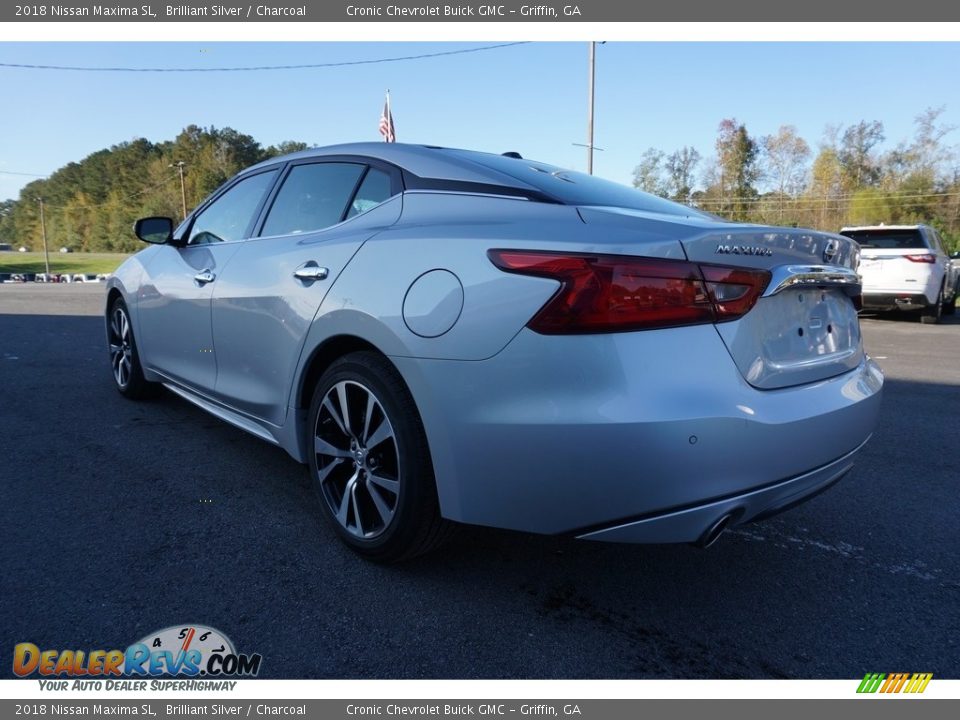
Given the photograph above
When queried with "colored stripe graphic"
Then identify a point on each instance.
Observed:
(871, 681)
(894, 683)
(918, 683)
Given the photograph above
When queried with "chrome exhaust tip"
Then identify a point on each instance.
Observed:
(713, 533)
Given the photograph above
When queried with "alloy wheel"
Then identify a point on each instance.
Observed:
(121, 347)
(358, 459)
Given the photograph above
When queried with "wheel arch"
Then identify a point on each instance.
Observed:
(321, 357)
(112, 294)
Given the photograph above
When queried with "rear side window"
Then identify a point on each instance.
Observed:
(312, 197)
(937, 241)
(888, 239)
(374, 189)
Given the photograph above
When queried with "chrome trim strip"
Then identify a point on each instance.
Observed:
(791, 276)
(428, 191)
(221, 412)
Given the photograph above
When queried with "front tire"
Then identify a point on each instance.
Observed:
(124, 357)
(370, 462)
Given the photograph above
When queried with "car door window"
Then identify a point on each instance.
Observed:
(312, 197)
(375, 188)
(230, 215)
(937, 242)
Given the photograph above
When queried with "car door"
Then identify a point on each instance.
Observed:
(176, 337)
(265, 301)
(943, 261)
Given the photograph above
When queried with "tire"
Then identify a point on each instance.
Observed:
(124, 358)
(370, 462)
(930, 315)
(950, 306)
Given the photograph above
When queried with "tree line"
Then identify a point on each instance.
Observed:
(775, 179)
(779, 179)
(91, 205)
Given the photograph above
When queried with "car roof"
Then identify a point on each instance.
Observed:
(428, 161)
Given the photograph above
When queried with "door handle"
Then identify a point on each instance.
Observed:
(310, 271)
(205, 276)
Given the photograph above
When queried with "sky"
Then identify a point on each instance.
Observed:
(530, 98)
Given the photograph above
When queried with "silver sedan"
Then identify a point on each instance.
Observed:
(449, 336)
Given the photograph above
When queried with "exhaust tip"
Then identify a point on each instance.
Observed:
(713, 533)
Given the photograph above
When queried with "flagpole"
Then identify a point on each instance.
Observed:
(386, 138)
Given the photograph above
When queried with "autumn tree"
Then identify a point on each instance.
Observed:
(737, 167)
(786, 155)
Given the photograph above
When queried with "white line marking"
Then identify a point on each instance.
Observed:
(914, 568)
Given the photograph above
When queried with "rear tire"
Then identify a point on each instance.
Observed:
(930, 315)
(950, 306)
(370, 462)
(124, 358)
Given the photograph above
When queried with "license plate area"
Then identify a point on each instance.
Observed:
(797, 336)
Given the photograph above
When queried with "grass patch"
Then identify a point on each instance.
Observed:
(32, 262)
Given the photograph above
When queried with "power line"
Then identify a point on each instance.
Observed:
(847, 197)
(308, 66)
(11, 172)
(95, 206)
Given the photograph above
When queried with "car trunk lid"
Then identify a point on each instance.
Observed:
(804, 327)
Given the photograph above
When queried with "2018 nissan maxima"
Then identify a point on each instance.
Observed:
(445, 335)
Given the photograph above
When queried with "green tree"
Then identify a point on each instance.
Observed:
(860, 167)
(739, 171)
(285, 148)
(680, 167)
(6, 221)
(826, 190)
(648, 175)
(91, 204)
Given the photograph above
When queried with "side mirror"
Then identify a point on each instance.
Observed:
(155, 230)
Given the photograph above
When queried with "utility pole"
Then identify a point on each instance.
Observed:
(43, 232)
(183, 193)
(590, 146)
(593, 64)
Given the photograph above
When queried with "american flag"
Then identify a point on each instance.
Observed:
(386, 123)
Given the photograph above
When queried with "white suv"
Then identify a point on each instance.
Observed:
(904, 267)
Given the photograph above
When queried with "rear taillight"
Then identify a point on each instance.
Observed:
(924, 258)
(617, 293)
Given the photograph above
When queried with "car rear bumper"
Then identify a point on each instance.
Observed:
(894, 301)
(576, 434)
(694, 524)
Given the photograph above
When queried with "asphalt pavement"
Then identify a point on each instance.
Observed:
(122, 518)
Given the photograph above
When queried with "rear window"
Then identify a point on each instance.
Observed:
(574, 188)
(888, 239)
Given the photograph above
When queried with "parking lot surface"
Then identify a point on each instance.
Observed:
(123, 518)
